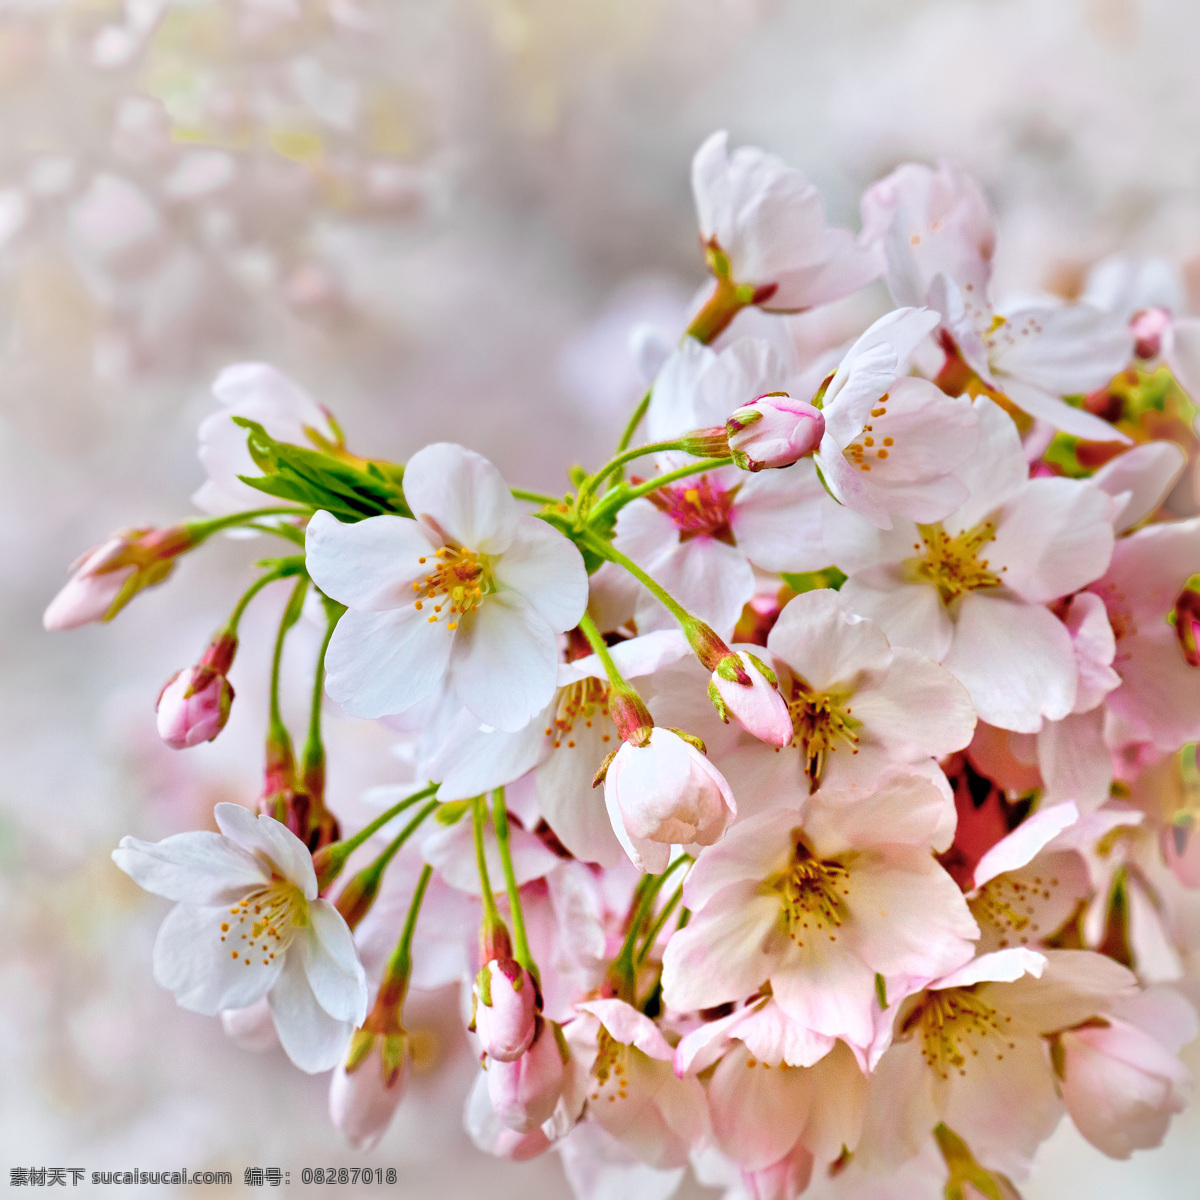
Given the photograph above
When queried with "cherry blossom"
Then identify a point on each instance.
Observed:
(248, 923)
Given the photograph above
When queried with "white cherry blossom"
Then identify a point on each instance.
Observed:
(468, 596)
(247, 924)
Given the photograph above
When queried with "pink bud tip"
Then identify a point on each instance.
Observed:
(193, 707)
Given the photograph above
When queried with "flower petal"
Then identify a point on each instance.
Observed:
(464, 495)
(504, 662)
(547, 569)
(331, 964)
(195, 868)
(312, 1039)
(368, 565)
(263, 835)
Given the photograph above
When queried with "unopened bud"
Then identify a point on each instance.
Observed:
(105, 579)
(505, 1009)
(1149, 327)
(525, 1091)
(757, 706)
(706, 443)
(712, 651)
(774, 430)
(365, 1091)
(630, 715)
(194, 705)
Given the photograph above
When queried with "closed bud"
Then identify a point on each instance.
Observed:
(194, 705)
(757, 706)
(505, 1009)
(365, 1091)
(524, 1092)
(774, 431)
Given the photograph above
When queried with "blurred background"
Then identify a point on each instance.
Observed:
(443, 217)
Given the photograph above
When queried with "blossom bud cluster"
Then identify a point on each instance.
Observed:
(829, 751)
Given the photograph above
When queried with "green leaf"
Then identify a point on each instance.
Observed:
(320, 481)
(810, 581)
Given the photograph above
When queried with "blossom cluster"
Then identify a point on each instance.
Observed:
(804, 796)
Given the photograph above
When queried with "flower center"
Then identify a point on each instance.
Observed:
(821, 721)
(1009, 905)
(954, 1023)
(584, 700)
(610, 1068)
(699, 508)
(458, 582)
(953, 564)
(864, 448)
(264, 922)
(813, 891)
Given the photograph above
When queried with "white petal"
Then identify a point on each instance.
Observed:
(1143, 475)
(572, 807)
(827, 645)
(476, 758)
(1077, 422)
(635, 656)
(505, 662)
(464, 495)
(368, 565)
(379, 664)
(312, 1039)
(753, 849)
(196, 868)
(264, 835)
(911, 614)
(777, 519)
(192, 961)
(547, 569)
(1025, 842)
(331, 964)
(1015, 660)
(998, 470)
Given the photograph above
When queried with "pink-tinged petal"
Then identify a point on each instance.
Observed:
(645, 533)
(368, 565)
(757, 706)
(463, 495)
(919, 709)
(675, 397)
(710, 578)
(331, 964)
(1139, 480)
(1149, 569)
(777, 519)
(830, 991)
(773, 1037)
(310, 1037)
(504, 662)
(630, 1027)
(901, 1108)
(758, 1111)
(1162, 1011)
(825, 644)
(599, 1167)
(1015, 660)
(911, 614)
(1001, 966)
(191, 960)
(706, 1043)
(195, 868)
(1053, 537)
(1068, 349)
(379, 664)
(998, 469)
(725, 952)
(908, 808)
(547, 569)
(1025, 906)
(910, 920)
(1095, 648)
(475, 758)
(1026, 841)
(1160, 693)
(265, 836)
(1074, 986)
(1074, 760)
(753, 849)
(1044, 406)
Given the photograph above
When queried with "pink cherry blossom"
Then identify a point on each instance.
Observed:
(773, 431)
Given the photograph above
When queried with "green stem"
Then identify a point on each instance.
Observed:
(478, 816)
(635, 420)
(257, 586)
(520, 941)
(535, 497)
(400, 964)
(206, 527)
(609, 551)
(588, 628)
(291, 614)
(659, 922)
(616, 463)
(345, 848)
(314, 748)
(650, 888)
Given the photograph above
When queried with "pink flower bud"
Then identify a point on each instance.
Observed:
(757, 706)
(524, 1092)
(662, 794)
(193, 707)
(362, 1101)
(105, 579)
(1149, 327)
(784, 1180)
(505, 1009)
(773, 431)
